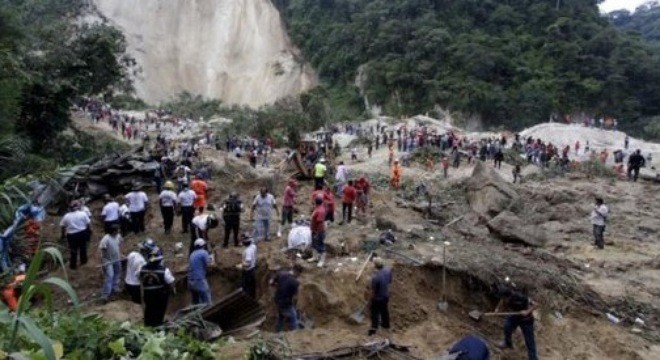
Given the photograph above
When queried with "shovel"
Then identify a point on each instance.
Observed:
(476, 315)
(443, 305)
(358, 315)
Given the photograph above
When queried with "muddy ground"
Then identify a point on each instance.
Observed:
(575, 283)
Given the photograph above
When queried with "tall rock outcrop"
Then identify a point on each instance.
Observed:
(234, 50)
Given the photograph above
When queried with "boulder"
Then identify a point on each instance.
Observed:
(510, 228)
(384, 222)
(488, 194)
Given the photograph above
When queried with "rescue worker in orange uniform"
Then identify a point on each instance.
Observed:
(396, 174)
(201, 189)
(12, 292)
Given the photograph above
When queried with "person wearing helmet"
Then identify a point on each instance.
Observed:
(76, 229)
(319, 172)
(198, 263)
(167, 200)
(231, 214)
(156, 282)
(134, 262)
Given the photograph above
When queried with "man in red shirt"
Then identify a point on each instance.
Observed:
(288, 203)
(317, 193)
(362, 188)
(317, 227)
(350, 195)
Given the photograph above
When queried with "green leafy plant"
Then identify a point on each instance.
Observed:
(21, 321)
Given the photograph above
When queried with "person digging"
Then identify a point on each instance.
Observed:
(379, 297)
(516, 301)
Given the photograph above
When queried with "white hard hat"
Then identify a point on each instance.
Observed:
(200, 242)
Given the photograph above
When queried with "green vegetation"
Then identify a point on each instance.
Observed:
(645, 21)
(47, 62)
(510, 63)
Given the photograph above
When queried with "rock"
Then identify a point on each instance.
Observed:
(649, 226)
(384, 223)
(488, 194)
(510, 228)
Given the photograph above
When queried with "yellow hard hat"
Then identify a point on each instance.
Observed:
(169, 185)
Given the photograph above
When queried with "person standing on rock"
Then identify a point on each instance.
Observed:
(380, 296)
(287, 284)
(516, 301)
(318, 231)
(138, 202)
(156, 282)
(231, 214)
(186, 200)
(599, 216)
(167, 200)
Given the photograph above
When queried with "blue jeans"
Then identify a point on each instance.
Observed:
(200, 291)
(527, 328)
(262, 229)
(286, 313)
(112, 274)
(318, 242)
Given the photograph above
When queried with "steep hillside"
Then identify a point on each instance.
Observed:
(509, 63)
(234, 50)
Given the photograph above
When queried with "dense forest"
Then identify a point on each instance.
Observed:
(509, 63)
(645, 21)
(47, 61)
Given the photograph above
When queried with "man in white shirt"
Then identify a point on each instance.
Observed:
(134, 262)
(249, 267)
(186, 200)
(138, 202)
(124, 218)
(263, 205)
(341, 176)
(76, 229)
(599, 220)
(167, 200)
(200, 226)
(110, 213)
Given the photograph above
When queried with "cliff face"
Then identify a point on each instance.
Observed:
(234, 50)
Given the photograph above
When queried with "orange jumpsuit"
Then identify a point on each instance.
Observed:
(9, 295)
(396, 175)
(200, 188)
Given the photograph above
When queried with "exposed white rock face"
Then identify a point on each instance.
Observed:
(234, 50)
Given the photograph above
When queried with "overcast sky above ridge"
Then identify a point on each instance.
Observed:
(611, 5)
